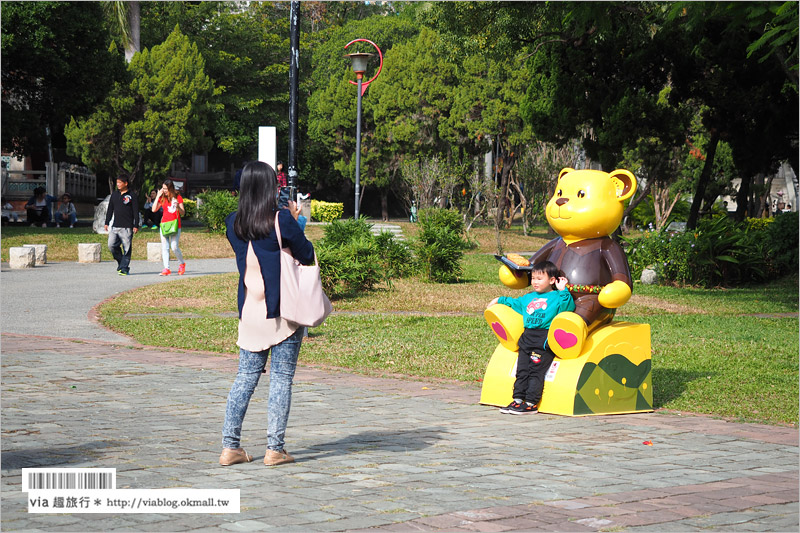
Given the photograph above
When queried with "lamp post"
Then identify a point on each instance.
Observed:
(359, 67)
(359, 61)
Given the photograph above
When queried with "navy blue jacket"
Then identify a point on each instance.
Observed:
(269, 257)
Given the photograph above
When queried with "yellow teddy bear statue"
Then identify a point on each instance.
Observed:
(601, 367)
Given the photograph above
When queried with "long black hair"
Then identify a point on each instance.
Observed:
(258, 192)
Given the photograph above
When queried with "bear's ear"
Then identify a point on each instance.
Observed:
(566, 170)
(624, 182)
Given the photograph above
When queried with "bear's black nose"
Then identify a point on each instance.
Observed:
(562, 201)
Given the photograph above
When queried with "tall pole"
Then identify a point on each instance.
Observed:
(358, 145)
(359, 67)
(294, 42)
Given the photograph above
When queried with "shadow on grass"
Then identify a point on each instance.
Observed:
(670, 383)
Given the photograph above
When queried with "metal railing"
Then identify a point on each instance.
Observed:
(56, 179)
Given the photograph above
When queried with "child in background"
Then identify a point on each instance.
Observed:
(538, 309)
(66, 212)
(8, 213)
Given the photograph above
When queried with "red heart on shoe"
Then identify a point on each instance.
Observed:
(565, 339)
(499, 330)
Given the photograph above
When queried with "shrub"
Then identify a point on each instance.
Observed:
(214, 207)
(352, 259)
(340, 232)
(326, 211)
(190, 206)
(781, 237)
(350, 267)
(440, 244)
(396, 257)
(718, 252)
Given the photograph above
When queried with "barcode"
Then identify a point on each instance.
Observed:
(69, 479)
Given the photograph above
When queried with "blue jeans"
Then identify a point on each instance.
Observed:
(281, 373)
(170, 241)
(63, 218)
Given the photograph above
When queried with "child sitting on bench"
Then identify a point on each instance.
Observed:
(538, 309)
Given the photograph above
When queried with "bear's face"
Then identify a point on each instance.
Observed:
(589, 203)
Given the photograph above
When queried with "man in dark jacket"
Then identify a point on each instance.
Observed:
(124, 209)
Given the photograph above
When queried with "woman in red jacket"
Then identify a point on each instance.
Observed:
(171, 204)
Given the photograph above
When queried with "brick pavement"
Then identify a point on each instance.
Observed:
(374, 454)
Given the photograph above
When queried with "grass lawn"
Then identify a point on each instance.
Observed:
(711, 353)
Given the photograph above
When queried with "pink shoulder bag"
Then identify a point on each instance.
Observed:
(302, 299)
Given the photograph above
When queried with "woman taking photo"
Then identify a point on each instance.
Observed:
(171, 204)
(251, 232)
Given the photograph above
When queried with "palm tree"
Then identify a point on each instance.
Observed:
(129, 19)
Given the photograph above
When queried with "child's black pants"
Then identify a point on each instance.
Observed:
(531, 371)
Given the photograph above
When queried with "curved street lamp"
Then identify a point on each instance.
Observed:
(359, 61)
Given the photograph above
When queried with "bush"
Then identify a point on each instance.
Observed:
(190, 206)
(341, 232)
(326, 211)
(396, 257)
(441, 244)
(215, 206)
(781, 237)
(718, 252)
(351, 267)
(352, 259)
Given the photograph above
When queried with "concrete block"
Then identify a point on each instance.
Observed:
(98, 223)
(21, 257)
(89, 252)
(649, 277)
(41, 252)
(154, 252)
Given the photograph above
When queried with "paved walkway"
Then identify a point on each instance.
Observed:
(373, 454)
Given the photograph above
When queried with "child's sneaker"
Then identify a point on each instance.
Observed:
(165, 272)
(512, 406)
(523, 409)
(182, 269)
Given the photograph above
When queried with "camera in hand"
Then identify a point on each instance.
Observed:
(285, 195)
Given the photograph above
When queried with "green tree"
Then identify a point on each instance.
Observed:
(485, 115)
(332, 106)
(747, 99)
(55, 64)
(146, 123)
(600, 70)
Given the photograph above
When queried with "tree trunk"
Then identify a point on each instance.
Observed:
(385, 205)
(524, 204)
(763, 212)
(743, 199)
(361, 199)
(134, 25)
(702, 182)
(636, 201)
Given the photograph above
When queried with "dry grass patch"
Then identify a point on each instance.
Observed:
(647, 304)
(412, 295)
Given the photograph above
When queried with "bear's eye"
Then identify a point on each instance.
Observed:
(560, 193)
(581, 194)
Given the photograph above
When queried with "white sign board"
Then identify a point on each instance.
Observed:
(267, 145)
